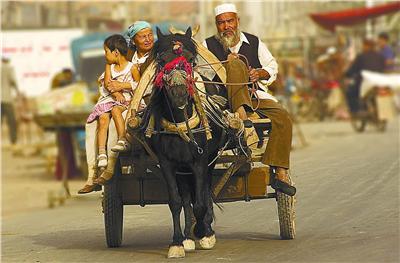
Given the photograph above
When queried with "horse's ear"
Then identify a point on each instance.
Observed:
(159, 33)
(188, 32)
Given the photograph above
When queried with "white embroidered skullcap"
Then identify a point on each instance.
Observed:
(225, 8)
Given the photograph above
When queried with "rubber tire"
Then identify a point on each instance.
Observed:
(286, 214)
(113, 213)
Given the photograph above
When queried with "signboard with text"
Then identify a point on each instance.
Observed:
(37, 55)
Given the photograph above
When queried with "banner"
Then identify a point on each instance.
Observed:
(37, 55)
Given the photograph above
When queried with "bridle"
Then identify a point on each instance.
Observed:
(179, 72)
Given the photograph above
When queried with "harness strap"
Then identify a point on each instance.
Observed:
(200, 109)
(192, 140)
(175, 127)
(147, 148)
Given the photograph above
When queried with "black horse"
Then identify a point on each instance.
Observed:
(184, 155)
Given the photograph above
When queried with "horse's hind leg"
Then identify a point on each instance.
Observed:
(176, 249)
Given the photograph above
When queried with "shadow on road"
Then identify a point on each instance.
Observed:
(252, 236)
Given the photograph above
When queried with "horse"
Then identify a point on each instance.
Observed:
(180, 142)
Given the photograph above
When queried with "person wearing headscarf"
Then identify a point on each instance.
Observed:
(140, 38)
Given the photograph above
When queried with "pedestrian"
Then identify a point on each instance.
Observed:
(66, 165)
(232, 44)
(8, 85)
(386, 51)
(368, 59)
(63, 78)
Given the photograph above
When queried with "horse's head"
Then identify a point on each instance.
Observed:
(175, 55)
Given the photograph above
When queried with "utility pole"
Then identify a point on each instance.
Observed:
(202, 19)
(368, 27)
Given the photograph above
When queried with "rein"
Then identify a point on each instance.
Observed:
(179, 130)
(254, 85)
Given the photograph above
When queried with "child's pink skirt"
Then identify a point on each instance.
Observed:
(101, 108)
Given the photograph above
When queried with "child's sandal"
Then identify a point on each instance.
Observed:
(121, 146)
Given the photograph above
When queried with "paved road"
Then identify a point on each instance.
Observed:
(347, 211)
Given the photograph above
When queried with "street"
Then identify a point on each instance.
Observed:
(347, 210)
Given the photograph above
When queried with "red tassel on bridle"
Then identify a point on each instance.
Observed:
(178, 63)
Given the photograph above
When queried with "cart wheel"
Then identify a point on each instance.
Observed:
(113, 213)
(286, 213)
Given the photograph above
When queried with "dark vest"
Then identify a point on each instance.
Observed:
(250, 51)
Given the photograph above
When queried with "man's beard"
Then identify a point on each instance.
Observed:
(228, 41)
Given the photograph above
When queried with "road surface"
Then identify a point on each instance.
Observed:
(347, 211)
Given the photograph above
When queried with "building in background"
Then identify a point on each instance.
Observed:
(285, 26)
(269, 19)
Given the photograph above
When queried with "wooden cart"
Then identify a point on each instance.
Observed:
(138, 181)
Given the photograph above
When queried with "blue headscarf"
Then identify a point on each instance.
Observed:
(136, 27)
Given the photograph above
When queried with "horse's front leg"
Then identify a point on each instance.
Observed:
(184, 189)
(209, 218)
(209, 239)
(176, 249)
(202, 228)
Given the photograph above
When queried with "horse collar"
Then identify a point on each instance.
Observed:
(181, 126)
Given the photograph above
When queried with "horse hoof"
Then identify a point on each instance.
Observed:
(176, 252)
(189, 245)
(208, 242)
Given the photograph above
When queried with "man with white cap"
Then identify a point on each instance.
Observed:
(263, 68)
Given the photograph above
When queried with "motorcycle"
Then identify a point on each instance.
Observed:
(377, 100)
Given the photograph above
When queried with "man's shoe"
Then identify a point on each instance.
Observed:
(89, 188)
(101, 181)
(283, 187)
(279, 185)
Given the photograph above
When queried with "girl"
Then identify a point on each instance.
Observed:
(116, 93)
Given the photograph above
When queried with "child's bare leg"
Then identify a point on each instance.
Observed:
(116, 113)
(122, 144)
(104, 121)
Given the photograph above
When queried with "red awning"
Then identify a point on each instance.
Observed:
(353, 16)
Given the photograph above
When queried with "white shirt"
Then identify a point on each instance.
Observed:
(137, 60)
(140, 61)
(267, 61)
(124, 75)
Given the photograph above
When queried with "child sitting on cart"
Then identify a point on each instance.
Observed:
(116, 89)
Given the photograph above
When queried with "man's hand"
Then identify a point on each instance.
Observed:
(254, 74)
(257, 74)
(119, 97)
